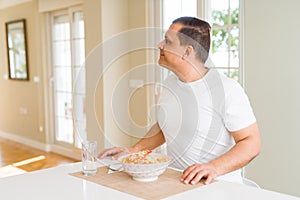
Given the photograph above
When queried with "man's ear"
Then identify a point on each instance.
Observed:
(188, 51)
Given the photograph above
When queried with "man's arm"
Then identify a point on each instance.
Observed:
(154, 138)
(246, 148)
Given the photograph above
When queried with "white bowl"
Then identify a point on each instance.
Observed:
(145, 172)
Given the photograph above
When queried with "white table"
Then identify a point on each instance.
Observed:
(56, 184)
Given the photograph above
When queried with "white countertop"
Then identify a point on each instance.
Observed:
(56, 183)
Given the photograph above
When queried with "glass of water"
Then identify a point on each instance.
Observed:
(89, 153)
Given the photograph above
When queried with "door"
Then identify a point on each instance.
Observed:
(68, 88)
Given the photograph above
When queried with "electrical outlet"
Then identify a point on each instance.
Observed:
(23, 111)
(36, 79)
(136, 83)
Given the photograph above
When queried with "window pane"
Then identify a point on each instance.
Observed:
(219, 5)
(79, 104)
(189, 8)
(220, 48)
(79, 112)
(173, 9)
(81, 133)
(220, 59)
(63, 104)
(64, 129)
(234, 59)
(78, 49)
(234, 47)
(61, 53)
(219, 40)
(79, 80)
(234, 73)
(78, 25)
(234, 39)
(61, 28)
(234, 4)
(234, 11)
(219, 12)
(64, 123)
(224, 71)
(63, 79)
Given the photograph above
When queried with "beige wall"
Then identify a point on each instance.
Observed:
(120, 18)
(103, 20)
(25, 94)
(94, 104)
(115, 19)
(272, 82)
(50, 5)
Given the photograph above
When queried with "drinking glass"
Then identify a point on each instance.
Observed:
(89, 153)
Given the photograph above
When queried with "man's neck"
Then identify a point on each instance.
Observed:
(193, 73)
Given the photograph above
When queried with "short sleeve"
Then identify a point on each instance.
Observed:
(238, 111)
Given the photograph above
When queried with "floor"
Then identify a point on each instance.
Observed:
(17, 158)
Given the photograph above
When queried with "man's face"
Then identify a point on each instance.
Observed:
(170, 50)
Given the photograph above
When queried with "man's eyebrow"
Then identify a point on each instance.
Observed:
(167, 38)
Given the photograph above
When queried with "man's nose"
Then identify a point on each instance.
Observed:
(161, 44)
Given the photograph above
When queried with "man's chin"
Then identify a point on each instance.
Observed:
(161, 63)
(164, 66)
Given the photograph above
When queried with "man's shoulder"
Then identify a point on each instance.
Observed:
(218, 79)
(170, 79)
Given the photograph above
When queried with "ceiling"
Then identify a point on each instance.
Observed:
(8, 3)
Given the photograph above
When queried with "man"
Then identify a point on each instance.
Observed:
(204, 117)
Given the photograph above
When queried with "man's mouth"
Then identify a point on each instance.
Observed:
(161, 53)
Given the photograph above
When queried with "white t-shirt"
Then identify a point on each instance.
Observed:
(196, 118)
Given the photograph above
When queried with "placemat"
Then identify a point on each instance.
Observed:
(166, 185)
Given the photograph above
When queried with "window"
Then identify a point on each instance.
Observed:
(225, 51)
(224, 17)
(69, 75)
(173, 9)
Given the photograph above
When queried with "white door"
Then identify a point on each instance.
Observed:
(68, 88)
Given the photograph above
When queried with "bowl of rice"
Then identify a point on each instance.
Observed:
(144, 166)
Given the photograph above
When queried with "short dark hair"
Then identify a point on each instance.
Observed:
(195, 32)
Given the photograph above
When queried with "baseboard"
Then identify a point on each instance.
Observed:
(26, 141)
(42, 146)
(66, 152)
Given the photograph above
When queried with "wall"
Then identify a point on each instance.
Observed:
(115, 23)
(104, 20)
(272, 82)
(25, 94)
(120, 19)
(139, 69)
(50, 5)
(94, 94)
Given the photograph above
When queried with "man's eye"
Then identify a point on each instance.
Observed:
(167, 41)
